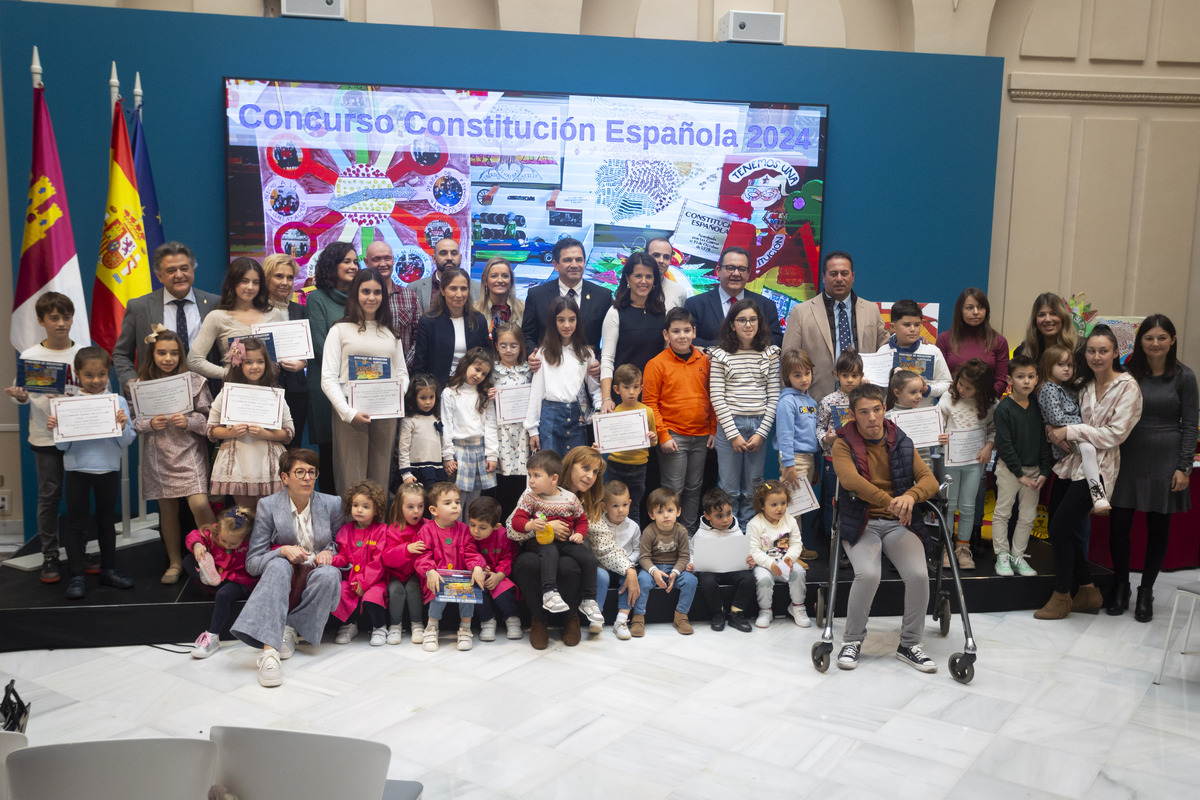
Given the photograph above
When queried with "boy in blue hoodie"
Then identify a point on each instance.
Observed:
(796, 435)
(92, 466)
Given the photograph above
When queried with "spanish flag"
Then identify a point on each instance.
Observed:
(123, 271)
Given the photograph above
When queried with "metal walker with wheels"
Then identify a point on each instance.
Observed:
(962, 665)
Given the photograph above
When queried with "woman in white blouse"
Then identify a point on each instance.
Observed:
(362, 447)
(245, 302)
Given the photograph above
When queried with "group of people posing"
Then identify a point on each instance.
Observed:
(368, 524)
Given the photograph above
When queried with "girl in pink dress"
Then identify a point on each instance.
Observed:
(360, 546)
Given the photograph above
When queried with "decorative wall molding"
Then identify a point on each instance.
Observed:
(1041, 87)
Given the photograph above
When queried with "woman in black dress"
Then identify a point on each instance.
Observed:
(1156, 460)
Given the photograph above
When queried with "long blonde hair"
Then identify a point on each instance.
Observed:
(484, 304)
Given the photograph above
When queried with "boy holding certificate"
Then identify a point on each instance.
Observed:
(629, 466)
(93, 467)
(55, 313)
(909, 352)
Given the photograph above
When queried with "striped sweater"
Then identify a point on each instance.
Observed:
(563, 506)
(745, 383)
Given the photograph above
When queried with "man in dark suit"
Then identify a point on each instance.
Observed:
(445, 254)
(710, 308)
(177, 306)
(592, 298)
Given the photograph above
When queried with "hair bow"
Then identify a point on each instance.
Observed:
(237, 353)
(155, 330)
(239, 516)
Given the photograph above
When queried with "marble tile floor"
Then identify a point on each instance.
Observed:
(1057, 710)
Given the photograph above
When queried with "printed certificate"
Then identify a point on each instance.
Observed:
(964, 446)
(162, 397)
(877, 367)
(252, 405)
(620, 431)
(922, 425)
(720, 554)
(920, 363)
(87, 416)
(42, 377)
(511, 403)
(457, 587)
(293, 339)
(378, 399)
(802, 498)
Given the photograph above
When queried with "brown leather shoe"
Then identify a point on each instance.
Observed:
(682, 624)
(539, 637)
(1087, 600)
(1057, 607)
(637, 626)
(571, 632)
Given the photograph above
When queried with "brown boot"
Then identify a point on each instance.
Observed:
(682, 624)
(1087, 600)
(637, 626)
(1057, 607)
(571, 632)
(539, 637)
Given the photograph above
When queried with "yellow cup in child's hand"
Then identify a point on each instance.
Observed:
(545, 534)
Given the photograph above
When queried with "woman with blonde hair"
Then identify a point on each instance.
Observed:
(498, 301)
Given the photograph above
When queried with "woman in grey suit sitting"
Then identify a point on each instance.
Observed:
(294, 530)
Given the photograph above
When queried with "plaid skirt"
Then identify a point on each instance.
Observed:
(472, 465)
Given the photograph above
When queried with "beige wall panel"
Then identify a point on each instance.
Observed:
(1052, 30)
(667, 19)
(1038, 204)
(1189, 328)
(240, 8)
(609, 17)
(400, 12)
(1179, 31)
(541, 16)
(1120, 30)
(813, 23)
(871, 24)
(465, 14)
(939, 27)
(159, 5)
(1105, 200)
(1165, 255)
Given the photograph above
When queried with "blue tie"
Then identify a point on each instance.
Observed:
(181, 327)
(844, 339)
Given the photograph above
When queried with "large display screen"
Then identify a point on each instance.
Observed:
(510, 173)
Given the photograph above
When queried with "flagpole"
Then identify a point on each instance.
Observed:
(35, 69)
(114, 93)
(114, 88)
(137, 109)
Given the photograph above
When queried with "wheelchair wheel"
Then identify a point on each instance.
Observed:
(961, 670)
(944, 616)
(820, 656)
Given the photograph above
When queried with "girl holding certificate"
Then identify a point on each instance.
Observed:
(247, 463)
(968, 405)
(511, 369)
(362, 346)
(244, 302)
(174, 458)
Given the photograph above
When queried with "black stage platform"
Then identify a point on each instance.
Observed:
(37, 616)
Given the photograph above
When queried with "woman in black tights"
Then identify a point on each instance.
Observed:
(1156, 461)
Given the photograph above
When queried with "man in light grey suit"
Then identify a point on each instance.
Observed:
(293, 528)
(445, 254)
(175, 266)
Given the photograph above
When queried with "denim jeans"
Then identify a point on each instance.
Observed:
(683, 472)
(603, 581)
(685, 583)
(561, 427)
(436, 607)
(741, 472)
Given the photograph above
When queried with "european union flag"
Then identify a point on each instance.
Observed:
(151, 220)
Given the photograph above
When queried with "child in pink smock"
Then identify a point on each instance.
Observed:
(399, 556)
(450, 547)
(360, 546)
(498, 551)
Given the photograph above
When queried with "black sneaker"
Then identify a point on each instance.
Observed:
(76, 588)
(110, 577)
(718, 622)
(740, 623)
(91, 564)
(51, 572)
(916, 657)
(848, 656)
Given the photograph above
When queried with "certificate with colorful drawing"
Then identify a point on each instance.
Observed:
(42, 377)
(457, 587)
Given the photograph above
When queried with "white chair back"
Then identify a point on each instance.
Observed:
(9, 742)
(118, 769)
(268, 764)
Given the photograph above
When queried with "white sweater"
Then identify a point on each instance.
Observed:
(940, 383)
(770, 543)
(39, 403)
(462, 420)
(345, 340)
(560, 383)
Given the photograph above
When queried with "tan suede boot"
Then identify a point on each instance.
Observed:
(1057, 607)
(682, 624)
(1088, 600)
(637, 626)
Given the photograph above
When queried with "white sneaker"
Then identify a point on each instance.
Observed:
(418, 633)
(206, 645)
(763, 620)
(395, 634)
(379, 637)
(514, 627)
(288, 648)
(429, 641)
(464, 636)
(800, 614)
(553, 602)
(1004, 567)
(591, 610)
(270, 671)
(487, 630)
(621, 629)
(346, 633)
(1023, 568)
